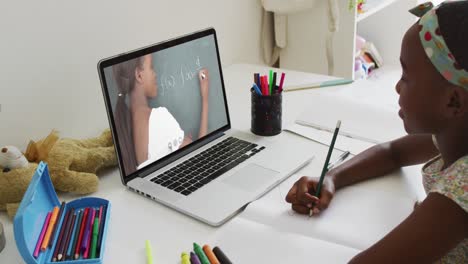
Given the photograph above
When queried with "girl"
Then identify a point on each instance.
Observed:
(148, 134)
(433, 93)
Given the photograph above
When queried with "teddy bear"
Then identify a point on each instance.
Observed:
(72, 166)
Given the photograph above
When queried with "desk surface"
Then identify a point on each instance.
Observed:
(267, 231)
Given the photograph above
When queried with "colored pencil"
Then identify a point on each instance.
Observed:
(41, 235)
(59, 217)
(50, 228)
(325, 165)
(71, 254)
(75, 226)
(80, 237)
(66, 235)
(60, 236)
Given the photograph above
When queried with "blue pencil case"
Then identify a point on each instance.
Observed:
(40, 199)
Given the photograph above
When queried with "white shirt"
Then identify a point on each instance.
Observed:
(164, 135)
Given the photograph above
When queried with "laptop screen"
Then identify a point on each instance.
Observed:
(163, 99)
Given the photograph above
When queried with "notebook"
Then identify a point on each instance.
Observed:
(169, 117)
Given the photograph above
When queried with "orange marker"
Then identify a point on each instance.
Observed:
(211, 256)
(52, 221)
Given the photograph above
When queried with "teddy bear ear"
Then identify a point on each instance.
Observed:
(47, 144)
(31, 152)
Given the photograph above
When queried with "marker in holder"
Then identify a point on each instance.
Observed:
(266, 113)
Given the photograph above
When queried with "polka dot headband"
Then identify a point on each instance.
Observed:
(435, 47)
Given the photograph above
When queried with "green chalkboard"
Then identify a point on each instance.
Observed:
(178, 83)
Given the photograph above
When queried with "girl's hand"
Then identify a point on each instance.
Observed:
(204, 83)
(302, 197)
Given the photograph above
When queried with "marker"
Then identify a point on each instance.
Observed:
(101, 229)
(87, 233)
(59, 216)
(194, 258)
(281, 82)
(185, 258)
(149, 252)
(262, 87)
(95, 237)
(257, 89)
(274, 82)
(325, 165)
(201, 255)
(211, 256)
(265, 86)
(257, 79)
(270, 81)
(50, 227)
(221, 256)
(41, 235)
(90, 233)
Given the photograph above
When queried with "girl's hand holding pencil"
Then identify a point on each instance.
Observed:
(302, 197)
(310, 195)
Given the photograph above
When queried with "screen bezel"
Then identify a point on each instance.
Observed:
(109, 62)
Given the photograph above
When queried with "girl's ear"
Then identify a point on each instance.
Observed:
(457, 105)
(138, 75)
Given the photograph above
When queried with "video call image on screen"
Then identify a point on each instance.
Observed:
(166, 100)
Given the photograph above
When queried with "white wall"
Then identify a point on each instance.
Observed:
(49, 50)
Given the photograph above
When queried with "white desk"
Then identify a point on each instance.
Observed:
(267, 231)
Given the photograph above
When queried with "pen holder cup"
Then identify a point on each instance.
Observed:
(266, 113)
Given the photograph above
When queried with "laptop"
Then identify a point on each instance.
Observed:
(169, 118)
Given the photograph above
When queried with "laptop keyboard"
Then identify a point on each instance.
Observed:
(206, 166)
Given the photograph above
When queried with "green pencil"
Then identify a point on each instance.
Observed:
(327, 160)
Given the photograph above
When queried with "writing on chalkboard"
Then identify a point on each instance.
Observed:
(180, 77)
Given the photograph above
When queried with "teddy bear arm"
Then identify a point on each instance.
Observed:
(74, 181)
(94, 159)
(104, 140)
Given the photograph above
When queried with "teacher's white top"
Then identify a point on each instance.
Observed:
(164, 135)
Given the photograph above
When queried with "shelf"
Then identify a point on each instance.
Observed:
(373, 6)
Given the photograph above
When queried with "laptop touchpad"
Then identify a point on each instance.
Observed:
(251, 177)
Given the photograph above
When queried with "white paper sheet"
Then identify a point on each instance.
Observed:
(358, 216)
(342, 143)
(244, 241)
(359, 121)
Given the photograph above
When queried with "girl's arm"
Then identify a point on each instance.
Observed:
(376, 161)
(428, 234)
(204, 86)
(384, 158)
